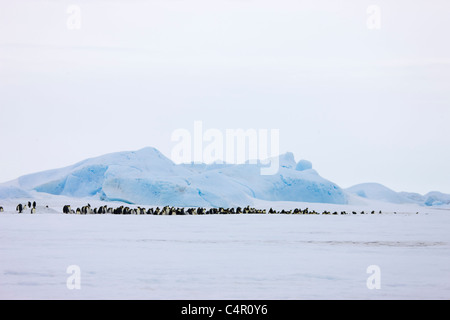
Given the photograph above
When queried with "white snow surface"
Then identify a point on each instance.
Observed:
(225, 256)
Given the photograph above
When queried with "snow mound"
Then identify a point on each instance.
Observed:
(436, 198)
(414, 197)
(287, 160)
(376, 191)
(303, 165)
(12, 192)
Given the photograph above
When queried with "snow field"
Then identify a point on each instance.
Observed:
(225, 256)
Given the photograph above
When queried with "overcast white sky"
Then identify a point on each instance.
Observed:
(362, 105)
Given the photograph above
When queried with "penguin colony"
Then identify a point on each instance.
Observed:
(172, 211)
(20, 208)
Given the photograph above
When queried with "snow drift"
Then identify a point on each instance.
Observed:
(376, 191)
(12, 192)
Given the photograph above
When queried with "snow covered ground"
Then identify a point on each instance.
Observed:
(226, 256)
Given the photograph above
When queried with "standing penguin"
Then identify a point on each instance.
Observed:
(34, 204)
(33, 210)
(1, 209)
(19, 208)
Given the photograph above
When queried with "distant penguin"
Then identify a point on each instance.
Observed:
(34, 204)
(1, 209)
(19, 208)
(33, 210)
(29, 204)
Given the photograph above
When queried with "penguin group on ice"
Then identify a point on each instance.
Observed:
(22, 207)
(172, 211)
(167, 210)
